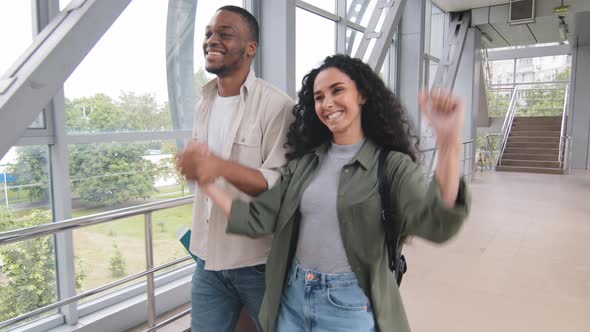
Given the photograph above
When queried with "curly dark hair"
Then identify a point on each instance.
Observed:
(383, 118)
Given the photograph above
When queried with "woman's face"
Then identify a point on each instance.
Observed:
(338, 105)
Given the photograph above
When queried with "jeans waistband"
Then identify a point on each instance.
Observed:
(313, 277)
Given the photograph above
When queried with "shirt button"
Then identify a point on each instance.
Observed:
(309, 277)
(346, 171)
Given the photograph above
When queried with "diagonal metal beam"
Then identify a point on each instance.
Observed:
(392, 9)
(41, 71)
(447, 70)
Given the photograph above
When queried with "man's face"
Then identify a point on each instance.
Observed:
(228, 45)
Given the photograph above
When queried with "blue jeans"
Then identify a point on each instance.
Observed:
(318, 302)
(218, 297)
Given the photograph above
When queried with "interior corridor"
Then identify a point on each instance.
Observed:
(520, 263)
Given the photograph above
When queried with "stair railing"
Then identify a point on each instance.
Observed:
(507, 126)
(562, 137)
(567, 155)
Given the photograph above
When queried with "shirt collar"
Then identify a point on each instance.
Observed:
(210, 89)
(364, 157)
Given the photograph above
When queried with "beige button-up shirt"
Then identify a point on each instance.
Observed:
(256, 136)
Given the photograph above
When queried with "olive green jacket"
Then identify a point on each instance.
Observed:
(420, 212)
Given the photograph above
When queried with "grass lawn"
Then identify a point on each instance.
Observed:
(94, 245)
(13, 196)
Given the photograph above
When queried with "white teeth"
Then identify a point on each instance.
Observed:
(334, 115)
(213, 53)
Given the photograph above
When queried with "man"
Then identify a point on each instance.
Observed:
(244, 121)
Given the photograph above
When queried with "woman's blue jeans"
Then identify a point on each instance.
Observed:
(318, 302)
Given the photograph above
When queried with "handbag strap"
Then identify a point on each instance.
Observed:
(386, 212)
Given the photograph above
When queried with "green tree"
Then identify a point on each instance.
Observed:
(108, 174)
(30, 170)
(27, 277)
(118, 264)
(105, 174)
(96, 114)
(144, 112)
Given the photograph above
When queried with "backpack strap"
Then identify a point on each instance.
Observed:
(396, 261)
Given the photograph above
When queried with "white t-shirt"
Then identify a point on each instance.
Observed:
(220, 114)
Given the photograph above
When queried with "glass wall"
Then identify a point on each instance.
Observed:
(541, 83)
(16, 17)
(309, 52)
(119, 149)
(27, 269)
(436, 26)
(326, 37)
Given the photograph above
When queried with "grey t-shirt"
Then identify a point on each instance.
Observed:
(320, 245)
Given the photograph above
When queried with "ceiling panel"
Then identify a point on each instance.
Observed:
(494, 36)
(515, 34)
(460, 5)
(546, 29)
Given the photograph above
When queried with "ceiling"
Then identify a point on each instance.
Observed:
(460, 5)
(501, 34)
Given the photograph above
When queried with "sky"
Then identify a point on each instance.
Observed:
(129, 57)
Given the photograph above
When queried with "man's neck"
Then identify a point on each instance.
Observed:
(230, 85)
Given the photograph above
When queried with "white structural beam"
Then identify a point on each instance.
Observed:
(392, 9)
(446, 72)
(39, 74)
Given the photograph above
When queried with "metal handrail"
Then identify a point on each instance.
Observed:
(429, 172)
(99, 218)
(530, 83)
(563, 126)
(567, 162)
(28, 233)
(93, 292)
(507, 125)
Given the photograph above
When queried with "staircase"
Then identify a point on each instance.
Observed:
(533, 146)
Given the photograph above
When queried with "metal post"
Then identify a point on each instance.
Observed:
(149, 259)
(5, 189)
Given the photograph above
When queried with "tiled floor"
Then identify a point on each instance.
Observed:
(520, 264)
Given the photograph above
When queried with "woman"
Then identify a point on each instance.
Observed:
(328, 266)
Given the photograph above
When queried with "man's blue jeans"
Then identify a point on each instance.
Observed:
(218, 297)
(320, 302)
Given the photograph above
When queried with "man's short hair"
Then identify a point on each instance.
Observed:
(249, 18)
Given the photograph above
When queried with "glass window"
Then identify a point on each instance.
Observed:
(437, 32)
(17, 31)
(327, 5)
(108, 252)
(28, 279)
(543, 69)
(120, 88)
(360, 11)
(310, 52)
(27, 268)
(25, 185)
(111, 176)
(353, 40)
(502, 70)
(432, 68)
